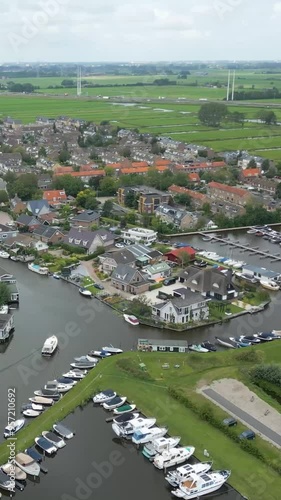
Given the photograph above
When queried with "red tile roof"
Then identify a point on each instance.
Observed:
(193, 194)
(161, 161)
(55, 195)
(90, 173)
(178, 251)
(229, 189)
(193, 177)
(87, 167)
(251, 172)
(137, 164)
(131, 170)
(64, 170)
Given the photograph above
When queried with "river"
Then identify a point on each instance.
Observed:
(48, 306)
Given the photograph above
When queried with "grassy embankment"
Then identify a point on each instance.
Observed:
(149, 390)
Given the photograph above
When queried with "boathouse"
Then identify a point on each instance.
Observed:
(260, 273)
(159, 345)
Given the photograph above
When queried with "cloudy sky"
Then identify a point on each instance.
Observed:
(134, 30)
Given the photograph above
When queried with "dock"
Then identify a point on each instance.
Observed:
(236, 244)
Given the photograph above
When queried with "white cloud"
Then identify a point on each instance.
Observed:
(277, 8)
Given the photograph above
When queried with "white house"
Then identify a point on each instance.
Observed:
(189, 307)
(139, 235)
(157, 271)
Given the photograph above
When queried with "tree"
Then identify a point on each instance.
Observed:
(212, 114)
(126, 152)
(108, 186)
(131, 218)
(184, 258)
(94, 155)
(3, 196)
(91, 202)
(252, 163)
(94, 182)
(183, 199)
(86, 199)
(207, 209)
(130, 199)
(5, 295)
(265, 165)
(272, 171)
(42, 152)
(267, 117)
(237, 117)
(64, 154)
(71, 185)
(26, 186)
(107, 208)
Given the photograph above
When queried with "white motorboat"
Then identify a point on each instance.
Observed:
(63, 431)
(174, 456)
(38, 269)
(75, 374)
(59, 387)
(270, 285)
(4, 309)
(6, 483)
(4, 255)
(14, 427)
(159, 445)
(131, 319)
(225, 344)
(114, 403)
(145, 435)
(45, 445)
(13, 470)
(42, 400)
(112, 350)
(85, 292)
(104, 396)
(31, 413)
(27, 464)
(132, 426)
(83, 365)
(48, 393)
(56, 440)
(176, 477)
(197, 348)
(50, 346)
(124, 409)
(86, 359)
(32, 406)
(198, 485)
(99, 354)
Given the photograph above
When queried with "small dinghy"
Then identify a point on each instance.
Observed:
(83, 365)
(176, 477)
(63, 431)
(37, 457)
(75, 374)
(104, 396)
(124, 409)
(239, 342)
(85, 292)
(197, 348)
(56, 440)
(42, 401)
(250, 338)
(125, 417)
(114, 403)
(210, 347)
(45, 445)
(99, 354)
(31, 413)
(27, 464)
(14, 427)
(11, 469)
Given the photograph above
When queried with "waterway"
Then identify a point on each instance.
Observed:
(48, 306)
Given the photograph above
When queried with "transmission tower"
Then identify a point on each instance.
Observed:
(79, 82)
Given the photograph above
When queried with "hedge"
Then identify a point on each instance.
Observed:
(205, 412)
(155, 286)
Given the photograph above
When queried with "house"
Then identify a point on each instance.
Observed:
(109, 261)
(6, 326)
(229, 194)
(263, 184)
(25, 241)
(10, 162)
(159, 345)
(38, 207)
(44, 182)
(157, 271)
(48, 234)
(55, 197)
(89, 240)
(85, 219)
(182, 310)
(198, 199)
(178, 255)
(12, 285)
(180, 218)
(260, 273)
(249, 173)
(17, 205)
(139, 235)
(129, 279)
(194, 178)
(148, 199)
(28, 221)
(7, 232)
(50, 218)
(209, 282)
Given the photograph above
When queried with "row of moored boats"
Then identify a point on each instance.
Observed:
(189, 480)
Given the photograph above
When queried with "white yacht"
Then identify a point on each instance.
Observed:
(14, 427)
(174, 456)
(111, 350)
(132, 426)
(176, 477)
(50, 346)
(198, 485)
(104, 396)
(159, 445)
(146, 435)
(38, 269)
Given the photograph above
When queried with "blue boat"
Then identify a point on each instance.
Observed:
(37, 457)
(45, 445)
(239, 342)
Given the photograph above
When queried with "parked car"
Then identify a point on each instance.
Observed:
(100, 287)
(247, 435)
(120, 245)
(229, 422)
(170, 281)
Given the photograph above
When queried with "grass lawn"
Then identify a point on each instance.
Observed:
(89, 284)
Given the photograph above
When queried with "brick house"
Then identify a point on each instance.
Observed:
(198, 199)
(249, 173)
(229, 194)
(85, 219)
(48, 234)
(129, 279)
(28, 221)
(17, 205)
(148, 199)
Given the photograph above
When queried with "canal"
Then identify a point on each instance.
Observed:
(48, 306)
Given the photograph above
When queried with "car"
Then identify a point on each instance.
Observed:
(119, 245)
(229, 422)
(247, 435)
(100, 287)
(170, 281)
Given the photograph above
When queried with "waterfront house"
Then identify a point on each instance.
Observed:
(178, 217)
(209, 282)
(129, 279)
(89, 240)
(27, 221)
(17, 205)
(6, 326)
(260, 273)
(160, 345)
(38, 207)
(180, 255)
(189, 307)
(7, 232)
(109, 261)
(48, 234)
(85, 219)
(11, 282)
(139, 235)
(158, 271)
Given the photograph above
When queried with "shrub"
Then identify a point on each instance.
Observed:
(249, 356)
(155, 286)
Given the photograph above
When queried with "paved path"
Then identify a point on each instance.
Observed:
(244, 416)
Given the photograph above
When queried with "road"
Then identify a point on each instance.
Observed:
(252, 422)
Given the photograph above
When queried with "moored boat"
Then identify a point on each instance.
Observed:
(112, 350)
(14, 470)
(159, 445)
(270, 285)
(42, 400)
(197, 348)
(224, 343)
(48, 393)
(87, 359)
(27, 464)
(145, 435)
(209, 346)
(83, 365)
(54, 439)
(99, 354)
(85, 292)
(174, 456)
(37, 457)
(32, 406)
(104, 396)
(63, 431)
(4, 309)
(240, 342)
(128, 428)
(50, 346)
(6, 483)
(124, 409)
(131, 319)
(179, 475)
(38, 269)
(45, 445)
(198, 485)
(14, 427)
(4, 255)
(75, 374)
(125, 417)
(250, 338)
(265, 336)
(114, 403)
(31, 413)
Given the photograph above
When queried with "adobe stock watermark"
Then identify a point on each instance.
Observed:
(225, 7)
(31, 26)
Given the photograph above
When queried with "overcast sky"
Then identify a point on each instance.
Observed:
(135, 30)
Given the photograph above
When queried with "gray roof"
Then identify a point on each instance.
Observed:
(164, 342)
(123, 256)
(205, 280)
(139, 250)
(86, 238)
(86, 216)
(261, 270)
(189, 299)
(27, 220)
(124, 272)
(46, 231)
(37, 205)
